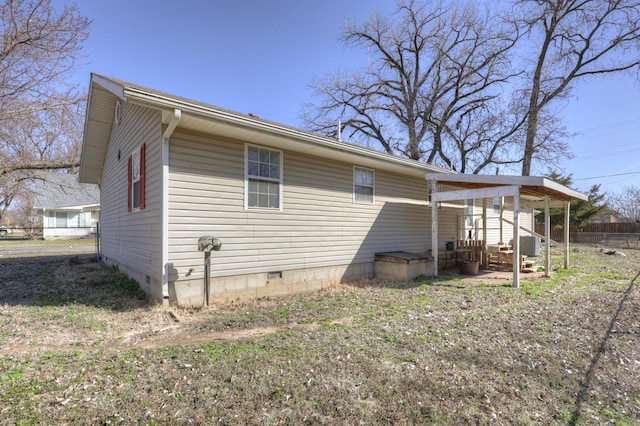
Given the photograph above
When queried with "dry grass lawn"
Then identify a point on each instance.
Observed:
(80, 345)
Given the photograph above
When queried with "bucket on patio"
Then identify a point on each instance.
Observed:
(449, 245)
(468, 267)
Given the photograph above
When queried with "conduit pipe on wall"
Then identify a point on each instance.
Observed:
(171, 127)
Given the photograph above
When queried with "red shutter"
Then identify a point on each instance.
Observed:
(143, 166)
(129, 182)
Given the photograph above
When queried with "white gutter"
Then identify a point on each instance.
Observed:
(171, 126)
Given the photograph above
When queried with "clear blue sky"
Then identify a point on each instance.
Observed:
(258, 56)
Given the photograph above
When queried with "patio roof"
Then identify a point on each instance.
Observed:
(533, 189)
(527, 191)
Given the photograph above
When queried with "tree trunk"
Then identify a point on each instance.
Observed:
(532, 131)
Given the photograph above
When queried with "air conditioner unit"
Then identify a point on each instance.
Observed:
(530, 246)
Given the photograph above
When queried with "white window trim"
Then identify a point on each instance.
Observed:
(135, 154)
(373, 186)
(496, 212)
(51, 219)
(246, 179)
(469, 212)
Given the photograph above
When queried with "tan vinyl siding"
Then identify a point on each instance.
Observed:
(449, 215)
(318, 226)
(131, 238)
(447, 223)
(493, 221)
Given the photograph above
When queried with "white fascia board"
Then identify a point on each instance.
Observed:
(90, 207)
(487, 179)
(565, 190)
(79, 208)
(116, 88)
(464, 194)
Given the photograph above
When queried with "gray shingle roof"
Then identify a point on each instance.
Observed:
(62, 190)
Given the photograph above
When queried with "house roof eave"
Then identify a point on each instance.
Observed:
(99, 118)
(82, 208)
(197, 116)
(201, 117)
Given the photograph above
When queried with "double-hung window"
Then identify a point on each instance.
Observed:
(136, 181)
(263, 188)
(496, 205)
(67, 220)
(469, 212)
(363, 185)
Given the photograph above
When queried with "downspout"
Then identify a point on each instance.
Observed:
(567, 221)
(547, 236)
(177, 115)
(516, 239)
(434, 227)
(483, 254)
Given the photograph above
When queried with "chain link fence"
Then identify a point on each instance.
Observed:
(16, 243)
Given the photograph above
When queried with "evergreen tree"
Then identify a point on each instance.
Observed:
(581, 212)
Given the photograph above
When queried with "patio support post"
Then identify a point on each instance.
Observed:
(434, 228)
(501, 221)
(567, 213)
(547, 236)
(484, 232)
(516, 240)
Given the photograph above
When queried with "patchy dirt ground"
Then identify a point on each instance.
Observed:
(77, 345)
(130, 323)
(73, 313)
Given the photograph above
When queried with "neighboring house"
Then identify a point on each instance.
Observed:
(294, 211)
(68, 209)
(606, 218)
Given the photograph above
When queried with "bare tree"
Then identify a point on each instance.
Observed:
(40, 111)
(22, 213)
(43, 140)
(626, 203)
(572, 40)
(434, 78)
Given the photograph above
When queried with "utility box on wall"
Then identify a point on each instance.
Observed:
(530, 245)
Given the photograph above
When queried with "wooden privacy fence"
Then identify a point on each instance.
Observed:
(608, 234)
(616, 228)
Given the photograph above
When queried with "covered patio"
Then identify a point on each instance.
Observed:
(527, 192)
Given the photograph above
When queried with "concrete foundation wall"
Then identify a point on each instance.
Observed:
(151, 286)
(271, 284)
